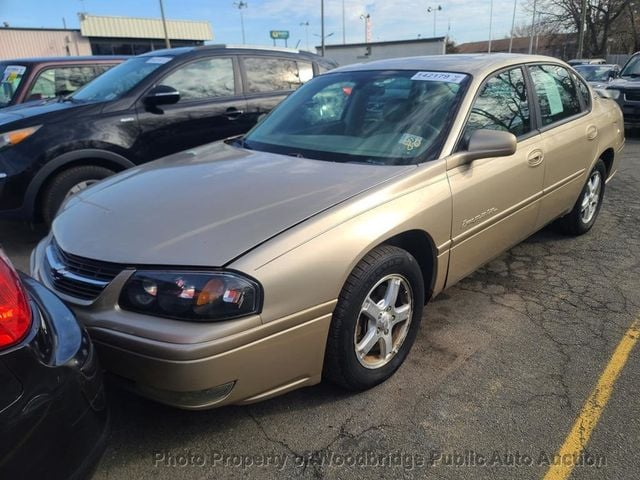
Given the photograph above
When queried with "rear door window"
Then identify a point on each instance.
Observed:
(556, 92)
(270, 74)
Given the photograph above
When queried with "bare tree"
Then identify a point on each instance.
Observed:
(601, 19)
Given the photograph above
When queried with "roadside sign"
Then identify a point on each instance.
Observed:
(279, 34)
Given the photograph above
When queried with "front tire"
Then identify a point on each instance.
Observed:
(586, 209)
(376, 319)
(68, 183)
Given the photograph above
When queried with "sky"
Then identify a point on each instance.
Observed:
(468, 20)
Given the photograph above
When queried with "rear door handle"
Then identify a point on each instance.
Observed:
(535, 158)
(232, 113)
(592, 132)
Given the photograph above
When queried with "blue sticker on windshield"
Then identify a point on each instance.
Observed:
(439, 77)
(160, 60)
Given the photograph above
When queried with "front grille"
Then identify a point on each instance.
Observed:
(76, 276)
(632, 95)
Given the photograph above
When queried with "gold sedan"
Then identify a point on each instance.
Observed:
(308, 248)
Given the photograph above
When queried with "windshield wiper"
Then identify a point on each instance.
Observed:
(632, 75)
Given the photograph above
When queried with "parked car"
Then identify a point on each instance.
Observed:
(148, 107)
(598, 76)
(626, 91)
(53, 414)
(31, 79)
(240, 270)
(587, 61)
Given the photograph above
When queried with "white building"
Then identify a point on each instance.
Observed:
(346, 54)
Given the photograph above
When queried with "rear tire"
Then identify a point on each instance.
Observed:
(376, 319)
(64, 184)
(585, 211)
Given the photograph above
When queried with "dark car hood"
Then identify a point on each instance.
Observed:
(206, 206)
(36, 110)
(633, 82)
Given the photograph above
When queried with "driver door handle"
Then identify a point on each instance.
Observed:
(232, 113)
(535, 158)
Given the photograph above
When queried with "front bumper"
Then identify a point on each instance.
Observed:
(196, 365)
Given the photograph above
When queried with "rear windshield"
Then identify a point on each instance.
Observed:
(10, 78)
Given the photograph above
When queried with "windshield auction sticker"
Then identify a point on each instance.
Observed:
(439, 77)
(12, 73)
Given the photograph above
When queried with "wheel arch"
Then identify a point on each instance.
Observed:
(97, 157)
(607, 157)
(422, 247)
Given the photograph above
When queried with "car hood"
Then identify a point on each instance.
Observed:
(633, 82)
(34, 110)
(206, 206)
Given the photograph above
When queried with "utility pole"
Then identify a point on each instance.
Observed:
(344, 30)
(513, 24)
(167, 43)
(240, 6)
(490, 25)
(533, 27)
(322, 27)
(583, 27)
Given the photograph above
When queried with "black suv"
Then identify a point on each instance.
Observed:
(626, 91)
(150, 106)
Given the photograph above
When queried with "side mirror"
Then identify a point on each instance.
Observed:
(485, 144)
(161, 95)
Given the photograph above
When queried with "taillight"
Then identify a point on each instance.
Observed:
(15, 313)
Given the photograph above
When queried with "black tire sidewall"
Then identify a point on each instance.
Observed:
(62, 183)
(358, 376)
(580, 224)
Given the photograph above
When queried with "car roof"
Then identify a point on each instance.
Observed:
(226, 47)
(598, 65)
(473, 64)
(87, 58)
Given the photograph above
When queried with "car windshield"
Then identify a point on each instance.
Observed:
(632, 68)
(10, 78)
(120, 79)
(595, 73)
(380, 117)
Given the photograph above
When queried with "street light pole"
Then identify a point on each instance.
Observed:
(490, 25)
(240, 6)
(583, 25)
(366, 18)
(513, 24)
(434, 10)
(306, 28)
(533, 27)
(322, 27)
(167, 43)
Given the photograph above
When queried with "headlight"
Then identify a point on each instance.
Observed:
(192, 296)
(611, 93)
(16, 136)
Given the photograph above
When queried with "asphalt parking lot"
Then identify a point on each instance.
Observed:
(501, 369)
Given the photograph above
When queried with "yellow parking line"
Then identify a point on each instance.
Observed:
(593, 407)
